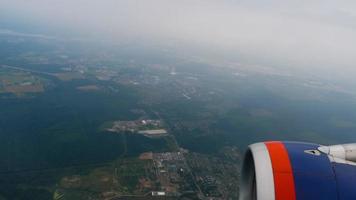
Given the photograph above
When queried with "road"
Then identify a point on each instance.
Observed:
(200, 194)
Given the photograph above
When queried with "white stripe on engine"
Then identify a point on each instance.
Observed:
(264, 172)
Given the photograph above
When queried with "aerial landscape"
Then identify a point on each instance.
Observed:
(92, 119)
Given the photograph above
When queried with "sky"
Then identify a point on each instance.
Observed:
(311, 35)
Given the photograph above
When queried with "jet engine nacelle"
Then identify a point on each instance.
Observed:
(298, 171)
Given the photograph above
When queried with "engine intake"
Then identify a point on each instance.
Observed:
(298, 171)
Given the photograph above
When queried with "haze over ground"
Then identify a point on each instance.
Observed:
(311, 36)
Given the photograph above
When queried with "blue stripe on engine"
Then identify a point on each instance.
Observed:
(313, 175)
(346, 179)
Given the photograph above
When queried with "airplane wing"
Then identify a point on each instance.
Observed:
(298, 171)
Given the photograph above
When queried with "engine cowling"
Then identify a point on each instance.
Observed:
(298, 171)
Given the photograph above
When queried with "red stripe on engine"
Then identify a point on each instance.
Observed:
(282, 171)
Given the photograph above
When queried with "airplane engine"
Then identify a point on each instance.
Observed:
(298, 171)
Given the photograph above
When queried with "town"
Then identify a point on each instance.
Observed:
(148, 127)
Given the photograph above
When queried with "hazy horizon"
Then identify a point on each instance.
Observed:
(311, 36)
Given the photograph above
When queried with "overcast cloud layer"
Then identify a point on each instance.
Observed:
(306, 33)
